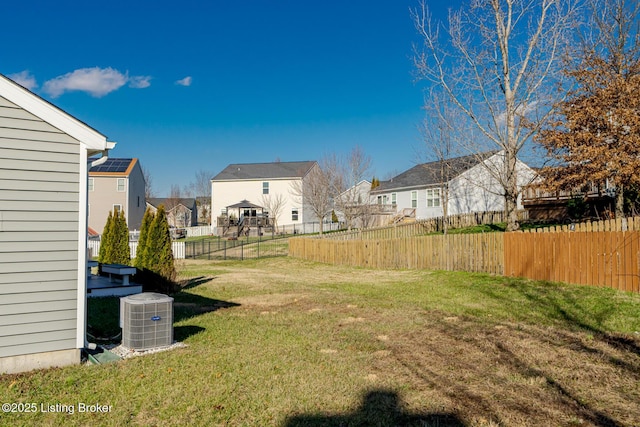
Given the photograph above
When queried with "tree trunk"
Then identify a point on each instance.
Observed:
(511, 165)
(619, 201)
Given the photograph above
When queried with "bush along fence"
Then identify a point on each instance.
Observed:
(605, 253)
(236, 249)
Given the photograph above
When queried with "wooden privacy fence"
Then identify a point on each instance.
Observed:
(605, 253)
(596, 258)
(461, 252)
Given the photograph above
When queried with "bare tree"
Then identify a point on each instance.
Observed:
(171, 205)
(314, 191)
(200, 189)
(274, 204)
(350, 195)
(495, 60)
(148, 183)
(441, 137)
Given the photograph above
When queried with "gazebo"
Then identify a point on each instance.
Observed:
(243, 215)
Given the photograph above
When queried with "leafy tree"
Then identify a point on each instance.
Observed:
(114, 243)
(105, 241)
(595, 137)
(143, 240)
(159, 255)
(121, 253)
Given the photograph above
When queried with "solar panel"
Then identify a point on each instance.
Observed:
(112, 165)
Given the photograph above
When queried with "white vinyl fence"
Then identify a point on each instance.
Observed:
(176, 247)
(201, 230)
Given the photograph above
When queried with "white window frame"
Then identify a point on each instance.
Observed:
(414, 199)
(295, 214)
(394, 199)
(433, 197)
(265, 187)
(91, 184)
(116, 209)
(121, 183)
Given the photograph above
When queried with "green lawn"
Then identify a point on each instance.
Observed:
(285, 342)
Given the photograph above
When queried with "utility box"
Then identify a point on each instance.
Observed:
(146, 320)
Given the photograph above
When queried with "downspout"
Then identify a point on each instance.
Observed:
(101, 160)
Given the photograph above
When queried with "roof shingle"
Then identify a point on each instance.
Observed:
(428, 174)
(248, 171)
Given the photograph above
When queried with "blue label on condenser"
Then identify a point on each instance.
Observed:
(155, 318)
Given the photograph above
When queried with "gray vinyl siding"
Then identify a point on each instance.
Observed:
(39, 232)
(137, 203)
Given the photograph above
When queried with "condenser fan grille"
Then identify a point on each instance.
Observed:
(146, 320)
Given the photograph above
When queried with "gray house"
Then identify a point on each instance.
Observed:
(470, 182)
(181, 211)
(44, 156)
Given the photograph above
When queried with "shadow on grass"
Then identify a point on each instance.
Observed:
(570, 307)
(187, 305)
(103, 314)
(195, 282)
(181, 333)
(378, 408)
(481, 372)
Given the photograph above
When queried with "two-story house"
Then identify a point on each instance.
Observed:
(116, 185)
(268, 185)
(467, 184)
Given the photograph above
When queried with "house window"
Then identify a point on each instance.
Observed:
(379, 200)
(414, 199)
(117, 209)
(90, 184)
(265, 188)
(393, 199)
(121, 184)
(294, 214)
(433, 197)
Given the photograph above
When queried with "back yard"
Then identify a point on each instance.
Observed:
(284, 342)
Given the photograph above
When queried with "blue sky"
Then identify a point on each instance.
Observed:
(188, 86)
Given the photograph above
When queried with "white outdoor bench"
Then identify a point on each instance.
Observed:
(124, 271)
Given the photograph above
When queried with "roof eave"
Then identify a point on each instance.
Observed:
(89, 137)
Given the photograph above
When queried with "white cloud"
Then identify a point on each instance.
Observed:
(184, 82)
(95, 81)
(139, 82)
(25, 79)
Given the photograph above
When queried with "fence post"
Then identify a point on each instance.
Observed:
(241, 251)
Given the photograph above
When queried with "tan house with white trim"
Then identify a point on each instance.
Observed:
(117, 184)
